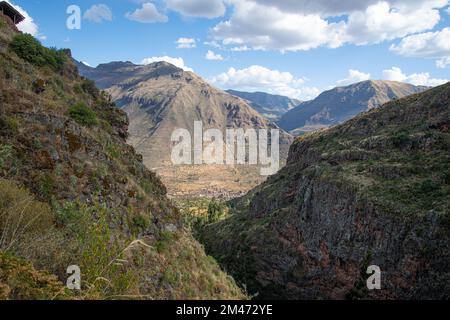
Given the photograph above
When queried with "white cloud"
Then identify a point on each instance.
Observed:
(186, 43)
(198, 8)
(418, 79)
(443, 63)
(448, 10)
(210, 55)
(434, 45)
(28, 25)
(98, 13)
(294, 25)
(240, 49)
(177, 62)
(258, 78)
(354, 76)
(147, 14)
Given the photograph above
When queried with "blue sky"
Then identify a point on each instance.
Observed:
(287, 47)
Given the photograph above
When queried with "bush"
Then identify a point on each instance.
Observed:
(88, 86)
(83, 114)
(31, 50)
(216, 211)
(400, 139)
(20, 215)
(19, 280)
(6, 153)
(99, 251)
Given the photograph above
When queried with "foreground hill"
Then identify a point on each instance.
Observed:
(72, 192)
(343, 103)
(372, 191)
(160, 98)
(271, 106)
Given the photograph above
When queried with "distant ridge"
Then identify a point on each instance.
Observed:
(271, 106)
(340, 104)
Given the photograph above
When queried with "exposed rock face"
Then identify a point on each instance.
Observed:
(160, 98)
(343, 103)
(271, 106)
(373, 191)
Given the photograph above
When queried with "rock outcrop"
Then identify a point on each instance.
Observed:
(372, 191)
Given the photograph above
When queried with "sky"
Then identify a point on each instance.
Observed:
(296, 48)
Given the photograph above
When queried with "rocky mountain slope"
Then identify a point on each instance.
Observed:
(341, 104)
(72, 192)
(271, 106)
(160, 98)
(372, 191)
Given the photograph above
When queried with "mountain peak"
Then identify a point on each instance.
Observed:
(340, 104)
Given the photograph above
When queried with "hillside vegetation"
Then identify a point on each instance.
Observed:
(372, 191)
(72, 192)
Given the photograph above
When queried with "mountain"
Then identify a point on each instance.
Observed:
(372, 191)
(271, 106)
(343, 103)
(160, 98)
(73, 192)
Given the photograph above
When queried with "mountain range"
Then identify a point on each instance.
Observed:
(373, 191)
(271, 106)
(340, 104)
(160, 98)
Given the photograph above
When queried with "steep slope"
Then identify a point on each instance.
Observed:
(372, 191)
(73, 192)
(271, 106)
(341, 104)
(160, 98)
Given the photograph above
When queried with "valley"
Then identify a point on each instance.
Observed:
(149, 181)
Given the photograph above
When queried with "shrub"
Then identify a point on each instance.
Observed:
(83, 114)
(88, 86)
(6, 153)
(20, 215)
(100, 252)
(20, 281)
(140, 223)
(31, 50)
(400, 139)
(216, 211)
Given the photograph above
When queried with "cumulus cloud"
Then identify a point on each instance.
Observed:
(210, 55)
(198, 8)
(98, 13)
(148, 13)
(28, 25)
(354, 76)
(418, 79)
(177, 62)
(258, 78)
(426, 45)
(294, 25)
(186, 43)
